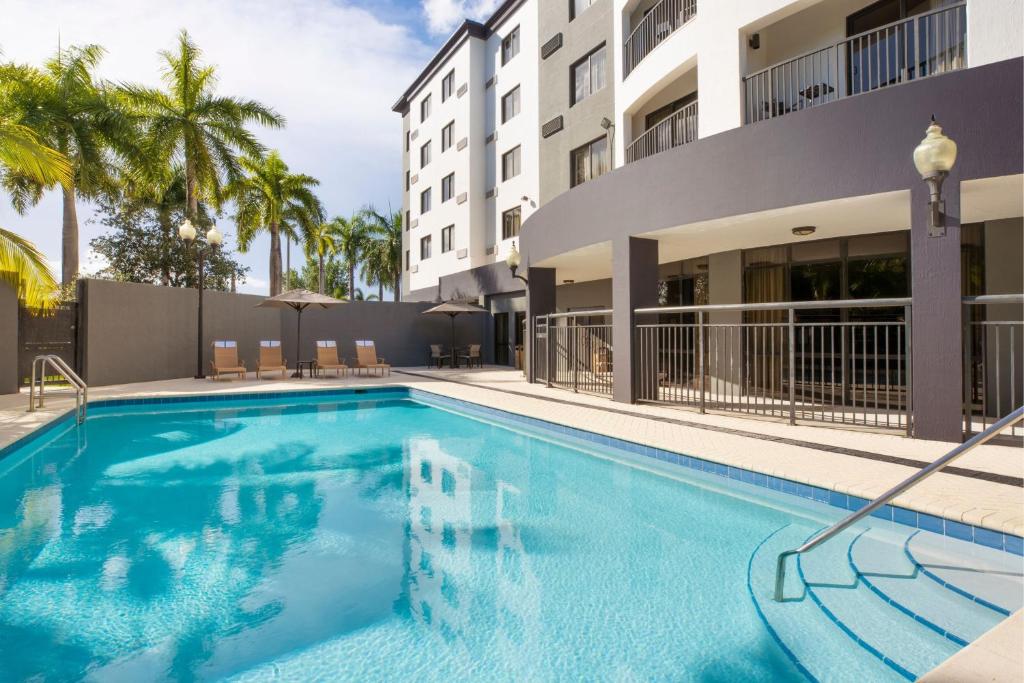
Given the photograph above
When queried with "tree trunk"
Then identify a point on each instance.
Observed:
(320, 257)
(190, 192)
(166, 230)
(380, 290)
(397, 292)
(69, 239)
(275, 260)
(351, 280)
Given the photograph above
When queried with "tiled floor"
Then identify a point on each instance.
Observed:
(862, 463)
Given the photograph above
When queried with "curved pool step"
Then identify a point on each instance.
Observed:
(910, 647)
(880, 563)
(821, 650)
(983, 575)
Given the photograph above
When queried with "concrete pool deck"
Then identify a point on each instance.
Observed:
(984, 489)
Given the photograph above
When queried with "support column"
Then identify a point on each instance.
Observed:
(634, 285)
(936, 327)
(540, 300)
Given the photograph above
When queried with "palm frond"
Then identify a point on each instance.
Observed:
(24, 267)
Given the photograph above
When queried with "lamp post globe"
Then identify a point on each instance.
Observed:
(936, 153)
(187, 231)
(214, 237)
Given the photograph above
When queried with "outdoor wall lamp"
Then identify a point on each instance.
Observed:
(187, 232)
(934, 158)
(512, 261)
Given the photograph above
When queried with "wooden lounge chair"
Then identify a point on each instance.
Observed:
(327, 357)
(225, 360)
(472, 356)
(270, 359)
(367, 359)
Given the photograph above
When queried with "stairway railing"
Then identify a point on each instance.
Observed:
(843, 524)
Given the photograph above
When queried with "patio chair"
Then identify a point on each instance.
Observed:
(472, 356)
(327, 357)
(437, 356)
(270, 359)
(225, 360)
(367, 359)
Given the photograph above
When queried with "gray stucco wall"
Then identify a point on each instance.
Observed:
(8, 340)
(581, 122)
(400, 331)
(857, 146)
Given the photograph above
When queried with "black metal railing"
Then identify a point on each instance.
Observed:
(574, 351)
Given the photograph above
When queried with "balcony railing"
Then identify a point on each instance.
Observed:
(993, 360)
(659, 23)
(906, 50)
(672, 131)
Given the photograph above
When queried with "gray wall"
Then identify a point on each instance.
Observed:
(581, 295)
(400, 331)
(8, 339)
(581, 122)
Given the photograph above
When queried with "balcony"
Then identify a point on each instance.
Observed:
(906, 50)
(657, 24)
(676, 129)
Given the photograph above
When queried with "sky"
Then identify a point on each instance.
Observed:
(332, 68)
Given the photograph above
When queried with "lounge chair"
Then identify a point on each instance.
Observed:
(225, 360)
(472, 356)
(367, 359)
(437, 356)
(270, 359)
(327, 357)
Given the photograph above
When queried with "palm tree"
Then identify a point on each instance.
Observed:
(320, 242)
(350, 240)
(271, 198)
(385, 239)
(77, 116)
(21, 263)
(192, 126)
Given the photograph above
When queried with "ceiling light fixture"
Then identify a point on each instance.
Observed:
(804, 230)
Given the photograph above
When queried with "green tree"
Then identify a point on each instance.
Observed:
(321, 244)
(270, 198)
(384, 249)
(81, 118)
(191, 126)
(335, 277)
(349, 241)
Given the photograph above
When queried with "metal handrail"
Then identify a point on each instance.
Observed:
(993, 299)
(840, 526)
(577, 314)
(781, 306)
(61, 367)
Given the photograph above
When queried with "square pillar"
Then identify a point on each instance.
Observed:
(634, 285)
(936, 318)
(540, 300)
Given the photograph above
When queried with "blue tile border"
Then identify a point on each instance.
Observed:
(991, 539)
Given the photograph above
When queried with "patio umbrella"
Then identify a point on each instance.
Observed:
(299, 300)
(452, 309)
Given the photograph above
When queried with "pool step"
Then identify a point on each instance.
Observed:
(899, 596)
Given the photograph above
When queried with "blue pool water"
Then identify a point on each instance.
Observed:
(374, 538)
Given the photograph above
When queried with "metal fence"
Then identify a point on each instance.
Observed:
(54, 331)
(574, 351)
(993, 386)
(905, 50)
(782, 359)
(659, 23)
(676, 129)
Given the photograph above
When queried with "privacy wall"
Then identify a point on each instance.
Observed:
(8, 340)
(134, 332)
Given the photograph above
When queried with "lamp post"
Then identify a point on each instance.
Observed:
(934, 158)
(512, 261)
(187, 232)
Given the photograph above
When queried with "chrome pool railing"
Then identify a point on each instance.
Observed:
(1014, 418)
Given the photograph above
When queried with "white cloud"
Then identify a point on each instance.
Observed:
(443, 16)
(332, 69)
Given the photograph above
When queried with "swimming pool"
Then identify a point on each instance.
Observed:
(392, 535)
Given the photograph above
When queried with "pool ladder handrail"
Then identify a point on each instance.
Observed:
(60, 367)
(780, 567)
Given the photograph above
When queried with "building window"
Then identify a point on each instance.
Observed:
(510, 165)
(425, 200)
(510, 104)
(510, 46)
(447, 188)
(406, 181)
(408, 140)
(588, 75)
(408, 219)
(407, 259)
(448, 85)
(446, 238)
(510, 221)
(576, 7)
(425, 109)
(425, 154)
(424, 248)
(447, 135)
(590, 161)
